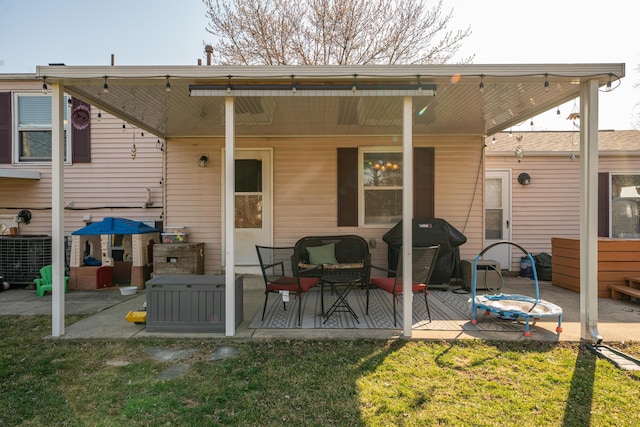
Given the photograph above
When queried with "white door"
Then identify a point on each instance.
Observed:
(497, 214)
(253, 210)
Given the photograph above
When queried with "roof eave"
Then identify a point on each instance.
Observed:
(332, 72)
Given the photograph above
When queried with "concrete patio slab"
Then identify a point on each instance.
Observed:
(618, 320)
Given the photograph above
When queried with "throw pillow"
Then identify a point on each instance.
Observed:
(322, 254)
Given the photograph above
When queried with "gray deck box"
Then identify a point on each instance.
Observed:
(190, 303)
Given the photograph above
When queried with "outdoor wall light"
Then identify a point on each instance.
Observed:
(203, 160)
(524, 178)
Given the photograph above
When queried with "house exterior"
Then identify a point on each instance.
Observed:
(288, 152)
(102, 176)
(548, 204)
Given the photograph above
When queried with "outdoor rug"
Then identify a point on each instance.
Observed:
(450, 311)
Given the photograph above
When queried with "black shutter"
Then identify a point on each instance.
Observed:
(423, 182)
(347, 187)
(5, 127)
(603, 204)
(80, 138)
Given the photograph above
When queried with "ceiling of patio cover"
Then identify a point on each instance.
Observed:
(112, 225)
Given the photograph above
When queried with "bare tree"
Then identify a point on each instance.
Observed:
(332, 32)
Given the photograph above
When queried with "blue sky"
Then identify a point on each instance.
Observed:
(137, 32)
(164, 32)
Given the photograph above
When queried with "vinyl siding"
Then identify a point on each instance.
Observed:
(305, 185)
(550, 205)
(113, 184)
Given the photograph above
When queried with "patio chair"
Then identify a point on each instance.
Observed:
(424, 260)
(44, 283)
(280, 274)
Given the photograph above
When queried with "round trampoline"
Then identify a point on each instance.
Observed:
(513, 306)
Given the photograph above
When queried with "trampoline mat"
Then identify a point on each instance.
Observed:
(518, 304)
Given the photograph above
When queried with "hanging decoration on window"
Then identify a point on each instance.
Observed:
(80, 117)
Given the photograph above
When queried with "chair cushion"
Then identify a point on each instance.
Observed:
(325, 254)
(386, 284)
(290, 284)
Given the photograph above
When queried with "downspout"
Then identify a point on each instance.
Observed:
(589, 211)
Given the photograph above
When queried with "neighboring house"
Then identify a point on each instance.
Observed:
(102, 177)
(532, 209)
(324, 149)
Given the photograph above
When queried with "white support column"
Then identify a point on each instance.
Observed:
(57, 210)
(407, 215)
(229, 219)
(589, 211)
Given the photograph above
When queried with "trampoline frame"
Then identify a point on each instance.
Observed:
(492, 303)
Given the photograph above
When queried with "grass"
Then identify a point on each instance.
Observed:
(309, 383)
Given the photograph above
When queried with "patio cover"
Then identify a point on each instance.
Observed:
(110, 225)
(407, 100)
(469, 99)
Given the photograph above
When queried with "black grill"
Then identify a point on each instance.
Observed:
(428, 232)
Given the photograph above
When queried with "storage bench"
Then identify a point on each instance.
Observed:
(190, 303)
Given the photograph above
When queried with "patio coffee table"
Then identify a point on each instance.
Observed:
(341, 286)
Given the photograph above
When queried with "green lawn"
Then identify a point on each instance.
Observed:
(46, 382)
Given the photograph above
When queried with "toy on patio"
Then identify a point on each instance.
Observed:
(513, 306)
(137, 317)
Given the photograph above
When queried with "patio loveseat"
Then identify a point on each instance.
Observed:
(345, 258)
(343, 255)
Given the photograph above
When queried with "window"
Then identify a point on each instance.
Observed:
(248, 194)
(493, 216)
(33, 128)
(625, 206)
(381, 186)
(350, 172)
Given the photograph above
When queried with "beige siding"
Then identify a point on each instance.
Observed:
(193, 194)
(550, 205)
(113, 184)
(304, 189)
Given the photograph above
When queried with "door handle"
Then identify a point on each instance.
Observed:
(507, 223)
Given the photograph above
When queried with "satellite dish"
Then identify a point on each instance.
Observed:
(24, 216)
